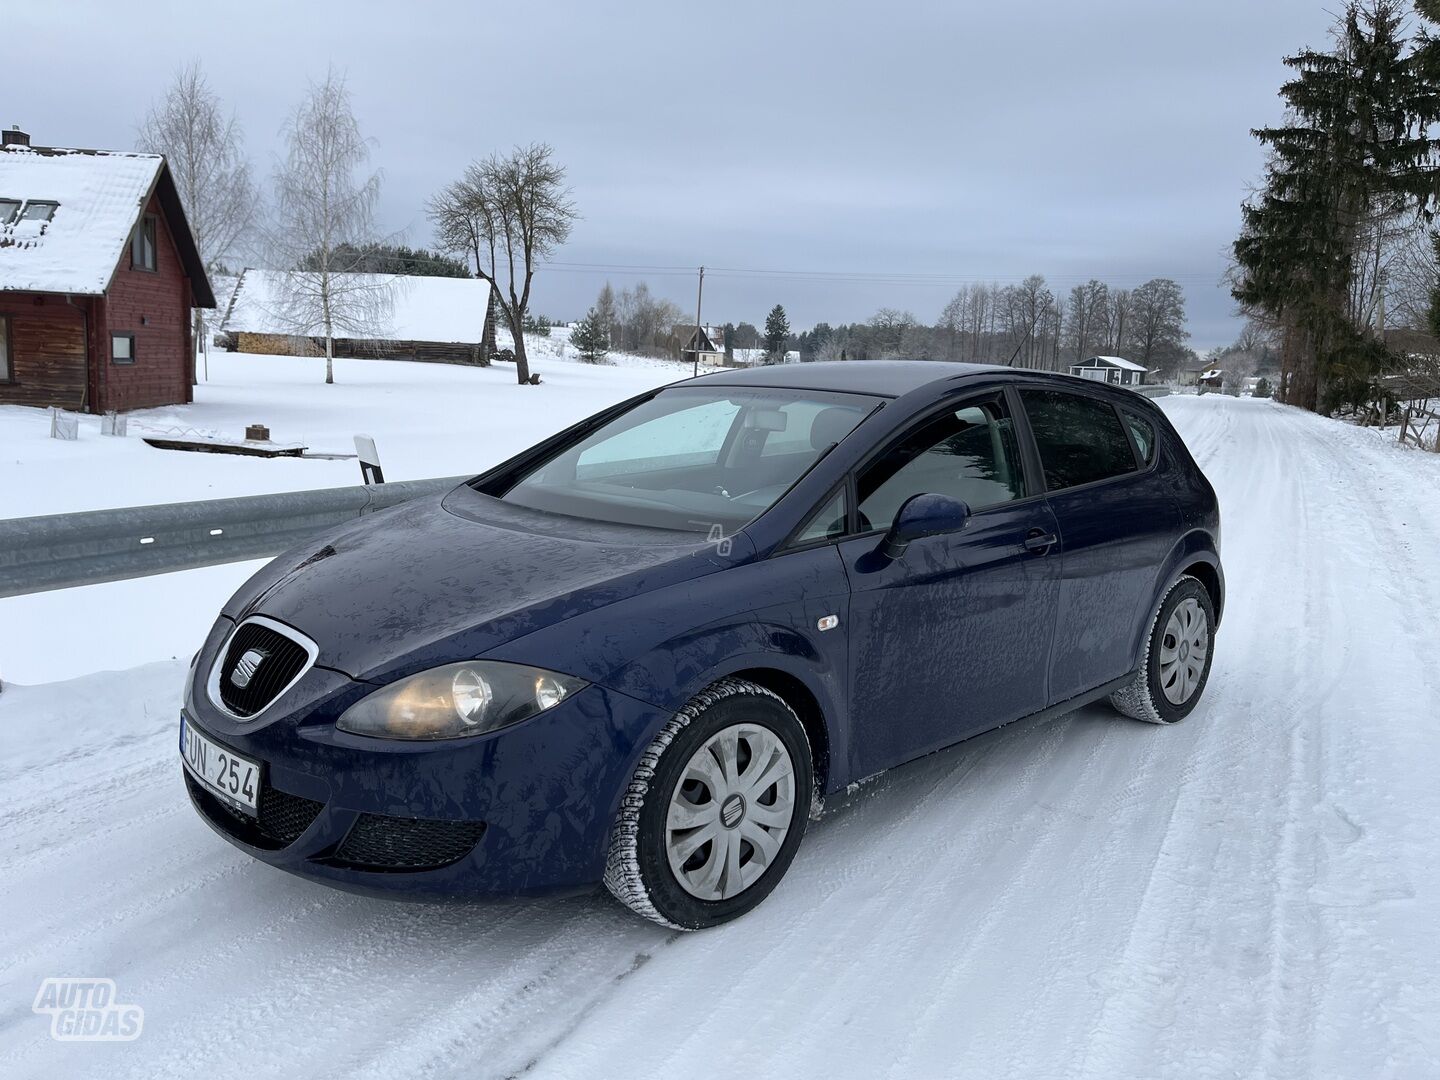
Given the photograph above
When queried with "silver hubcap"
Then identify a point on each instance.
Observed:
(730, 812)
(1183, 649)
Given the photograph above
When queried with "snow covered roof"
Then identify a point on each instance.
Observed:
(1112, 361)
(714, 337)
(439, 309)
(98, 196)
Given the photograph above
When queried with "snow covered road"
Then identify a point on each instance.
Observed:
(1254, 893)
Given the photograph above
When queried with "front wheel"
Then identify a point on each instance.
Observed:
(715, 811)
(1177, 660)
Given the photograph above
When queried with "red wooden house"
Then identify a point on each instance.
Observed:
(98, 273)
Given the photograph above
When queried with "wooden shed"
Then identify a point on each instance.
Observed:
(98, 275)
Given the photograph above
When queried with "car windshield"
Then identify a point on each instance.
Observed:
(696, 459)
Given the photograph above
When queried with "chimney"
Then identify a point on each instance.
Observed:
(13, 136)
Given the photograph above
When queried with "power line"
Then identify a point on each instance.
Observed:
(843, 277)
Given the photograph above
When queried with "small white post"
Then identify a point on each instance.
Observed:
(370, 470)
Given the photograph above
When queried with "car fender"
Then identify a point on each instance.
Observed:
(650, 648)
(1195, 546)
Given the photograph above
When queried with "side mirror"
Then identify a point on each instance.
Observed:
(921, 516)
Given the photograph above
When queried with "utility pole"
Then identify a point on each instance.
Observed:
(699, 293)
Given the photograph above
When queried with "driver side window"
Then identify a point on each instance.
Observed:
(969, 453)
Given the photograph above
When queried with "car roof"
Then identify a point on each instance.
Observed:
(882, 378)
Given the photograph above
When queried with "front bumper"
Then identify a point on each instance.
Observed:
(521, 811)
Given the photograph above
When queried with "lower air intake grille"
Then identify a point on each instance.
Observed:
(283, 817)
(259, 663)
(377, 842)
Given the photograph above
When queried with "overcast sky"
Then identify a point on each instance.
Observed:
(815, 141)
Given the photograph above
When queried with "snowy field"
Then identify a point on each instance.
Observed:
(1254, 893)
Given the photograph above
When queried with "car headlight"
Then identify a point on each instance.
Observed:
(456, 700)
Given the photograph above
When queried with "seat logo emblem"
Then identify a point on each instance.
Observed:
(248, 664)
(731, 811)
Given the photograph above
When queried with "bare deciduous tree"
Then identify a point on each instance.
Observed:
(1117, 320)
(1087, 313)
(203, 148)
(325, 214)
(1158, 322)
(507, 213)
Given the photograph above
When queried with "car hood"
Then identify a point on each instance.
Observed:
(446, 578)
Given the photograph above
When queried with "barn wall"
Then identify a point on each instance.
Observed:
(433, 352)
(47, 351)
(155, 307)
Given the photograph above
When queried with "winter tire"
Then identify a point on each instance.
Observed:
(1178, 654)
(715, 811)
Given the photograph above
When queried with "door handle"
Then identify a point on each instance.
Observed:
(1040, 541)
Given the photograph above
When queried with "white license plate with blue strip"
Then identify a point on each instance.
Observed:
(233, 778)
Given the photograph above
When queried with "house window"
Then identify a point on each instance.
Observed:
(8, 209)
(39, 210)
(142, 244)
(122, 348)
(7, 370)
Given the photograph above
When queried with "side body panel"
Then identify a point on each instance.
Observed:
(951, 639)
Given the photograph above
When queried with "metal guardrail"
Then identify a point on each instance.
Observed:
(58, 551)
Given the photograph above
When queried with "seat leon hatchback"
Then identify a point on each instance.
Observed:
(642, 651)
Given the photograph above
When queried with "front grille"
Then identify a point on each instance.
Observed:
(377, 842)
(265, 661)
(282, 816)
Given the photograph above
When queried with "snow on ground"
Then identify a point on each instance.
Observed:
(1253, 893)
(427, 419)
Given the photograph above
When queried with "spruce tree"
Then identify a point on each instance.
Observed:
(590, 337)
(1353, 150)
(777, 332)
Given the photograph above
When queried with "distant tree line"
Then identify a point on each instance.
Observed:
(1026, 324)
(376, 257)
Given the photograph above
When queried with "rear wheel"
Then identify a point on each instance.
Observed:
(1177, 660)
(715, 811)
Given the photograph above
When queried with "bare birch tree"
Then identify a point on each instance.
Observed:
(507, 213)
(325, 215)
(203, 147)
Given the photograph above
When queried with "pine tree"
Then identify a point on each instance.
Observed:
(1353, 150)
(777, 332)
(590, 337)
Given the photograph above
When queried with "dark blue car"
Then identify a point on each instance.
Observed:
(642, 651)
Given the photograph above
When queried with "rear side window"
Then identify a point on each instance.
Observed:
(1143, 432)
(1079, 438)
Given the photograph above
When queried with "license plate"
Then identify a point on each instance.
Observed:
(234, 778)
